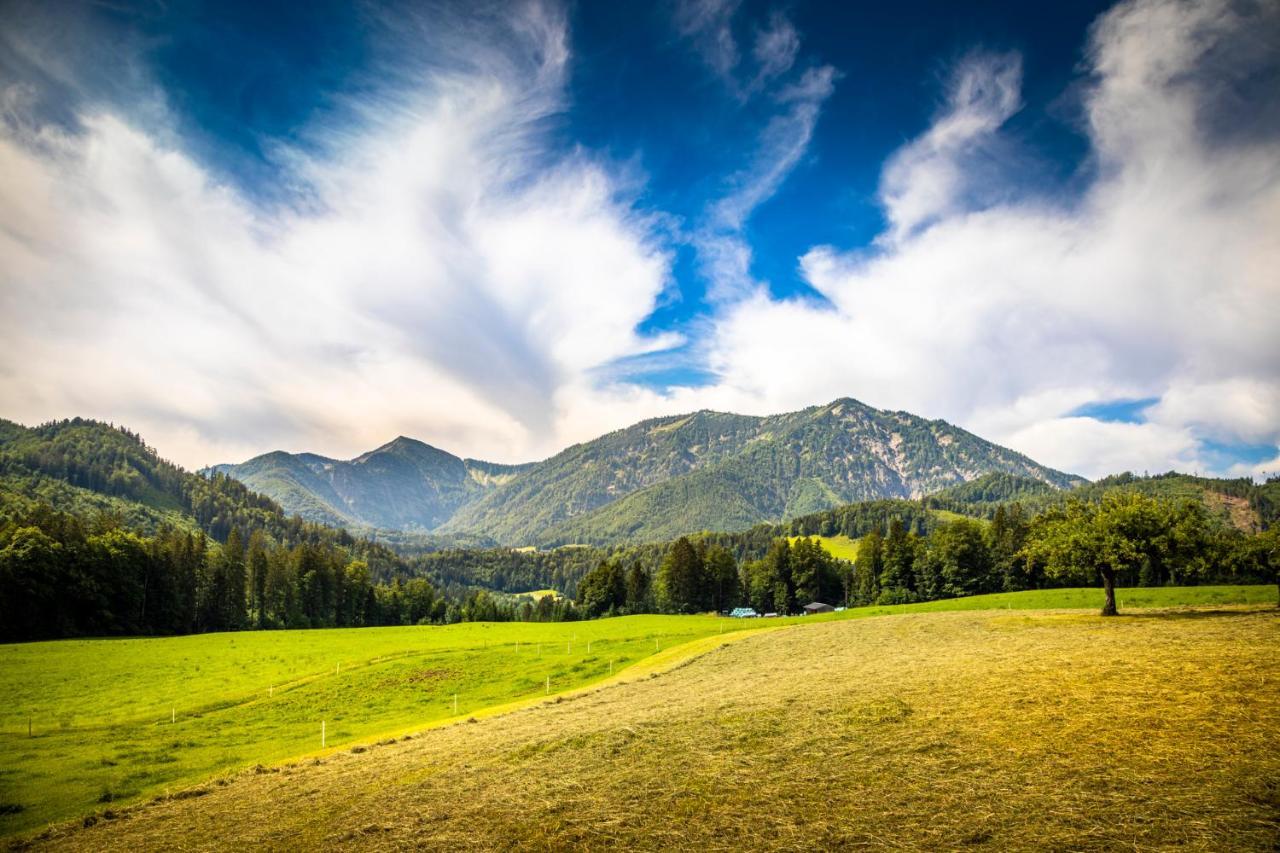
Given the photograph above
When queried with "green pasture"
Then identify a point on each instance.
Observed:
(89, 723)
(841, 547)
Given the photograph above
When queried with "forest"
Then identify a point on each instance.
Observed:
(99, 536)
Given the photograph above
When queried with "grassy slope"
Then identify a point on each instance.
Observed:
(101, 708)
(840, 547)
(1035, 730)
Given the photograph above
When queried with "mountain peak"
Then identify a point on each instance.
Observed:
(658, 478)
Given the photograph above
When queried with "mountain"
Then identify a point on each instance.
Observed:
(653, 480)
(402, 485)
(793, 464)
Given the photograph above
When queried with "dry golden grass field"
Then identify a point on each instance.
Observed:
(1047, 730)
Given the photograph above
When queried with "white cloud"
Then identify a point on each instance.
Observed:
(452, 277)
(448, 276)
(1003, 312)
(934, 175)
(775, 49)
(709, 25)
(724, 255)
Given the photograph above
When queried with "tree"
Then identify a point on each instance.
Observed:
(898, 573)
(637, 599)
(722, 586)
(679, 584)
(1005, 538)
(959, 551)
(603, 590)
(868, 568)
(257, 568)
(31, 566)
(1107, 539)
(777, 569)
(813, 572)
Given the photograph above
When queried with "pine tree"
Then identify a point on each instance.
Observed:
(679, 584)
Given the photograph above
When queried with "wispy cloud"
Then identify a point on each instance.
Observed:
(938, 173)
(708, 24)
(444, 278)
(724, 253)
(725, 257)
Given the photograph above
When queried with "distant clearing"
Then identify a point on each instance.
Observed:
(1030, 730)
(100, 710)
(840, 547)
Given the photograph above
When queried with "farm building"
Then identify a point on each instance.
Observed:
(818, 607)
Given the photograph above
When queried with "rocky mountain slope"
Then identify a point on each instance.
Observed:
(653, 480)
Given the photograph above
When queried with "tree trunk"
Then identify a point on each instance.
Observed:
(1109, 587)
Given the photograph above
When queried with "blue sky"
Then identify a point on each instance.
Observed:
(503, 228)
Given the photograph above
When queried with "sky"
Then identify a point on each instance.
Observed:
(503, 228)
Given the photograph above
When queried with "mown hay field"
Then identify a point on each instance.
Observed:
(1032, 730)
(114, 722)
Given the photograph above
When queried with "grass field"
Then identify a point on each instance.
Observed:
(114, 721)
(840, 547)
(1028, 730)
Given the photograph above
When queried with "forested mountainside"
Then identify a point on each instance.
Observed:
(1237, 502)
(403, 485)
(1229, 511)
(652, 481)
(99, 535)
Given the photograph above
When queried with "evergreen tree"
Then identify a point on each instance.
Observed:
(898, 574)
(722, 584)
(868, 568)
(680, 582)
(638, 598)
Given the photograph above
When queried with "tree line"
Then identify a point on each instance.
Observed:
(1125, 539)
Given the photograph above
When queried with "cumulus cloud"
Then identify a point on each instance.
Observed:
(1005, 315)
(447, 274)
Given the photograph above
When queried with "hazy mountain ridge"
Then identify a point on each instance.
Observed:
(655, 479)
(405, 484)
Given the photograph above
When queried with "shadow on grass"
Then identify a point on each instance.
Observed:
(1205, 612)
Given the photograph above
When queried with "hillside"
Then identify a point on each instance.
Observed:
(1239, 503)
(403, 485)
(652, 481)
(858, 733)
(84, 467)
(711, 471)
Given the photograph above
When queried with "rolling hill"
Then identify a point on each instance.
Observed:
(654, 480)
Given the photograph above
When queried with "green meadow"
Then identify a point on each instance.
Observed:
(90, 723)
(841, 547)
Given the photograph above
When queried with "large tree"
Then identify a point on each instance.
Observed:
(679, 585)
(603, 590)
(722, 586)
(1112, 538)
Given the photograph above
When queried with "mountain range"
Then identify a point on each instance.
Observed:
(654, 480)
